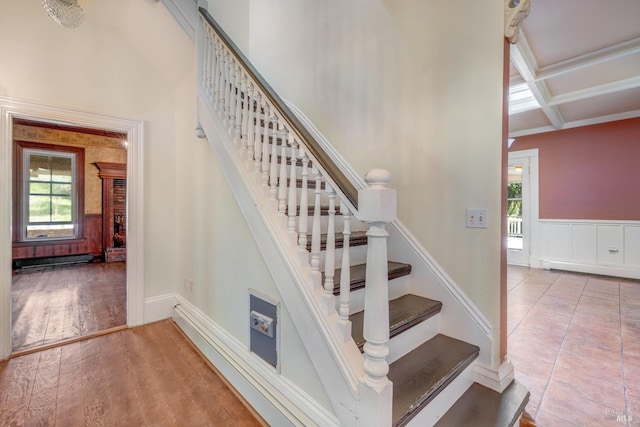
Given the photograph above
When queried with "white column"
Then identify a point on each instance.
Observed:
(377, 206)
(249, 126)
(264, 167)
(237, 132)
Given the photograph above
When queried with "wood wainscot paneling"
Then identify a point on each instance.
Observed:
(50, 248)
(93, 233)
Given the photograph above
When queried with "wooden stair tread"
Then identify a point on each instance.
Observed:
(480, 406)
(358, 274)
(421, 374)
(404, 313)
(324, 210)
(357, 238)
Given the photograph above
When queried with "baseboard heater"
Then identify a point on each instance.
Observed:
(51, 260)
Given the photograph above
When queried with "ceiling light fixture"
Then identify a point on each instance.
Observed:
(67, 13)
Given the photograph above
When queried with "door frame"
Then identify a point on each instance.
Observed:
(11, 108)
(530, 202)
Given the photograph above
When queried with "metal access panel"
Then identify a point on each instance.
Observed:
(263, 327)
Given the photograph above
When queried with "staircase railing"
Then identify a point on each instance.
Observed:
(264, 130)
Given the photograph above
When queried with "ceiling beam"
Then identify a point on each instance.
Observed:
(610, 53)
(591, 92)
(523, 59)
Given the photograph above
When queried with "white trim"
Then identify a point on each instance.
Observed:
(578, 123)
(340, 362)
(591, 221)
(604, 270)
(497, 379)
(182, 12)
(576, 245)
(426, 265)
(11, 108)
(159, 307)
(277, 400)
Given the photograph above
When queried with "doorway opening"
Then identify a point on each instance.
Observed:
(69, 233)
(12, 109)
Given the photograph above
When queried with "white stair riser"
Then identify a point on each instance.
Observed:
(397, 288)
(439, 406)
(412, 338)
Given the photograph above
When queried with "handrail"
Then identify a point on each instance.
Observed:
(314, 148)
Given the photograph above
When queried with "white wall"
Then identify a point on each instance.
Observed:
(131, 59)
(414, 87)
(233, 17)
(123, 61)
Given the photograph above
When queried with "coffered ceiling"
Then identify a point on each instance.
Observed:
(580, 59)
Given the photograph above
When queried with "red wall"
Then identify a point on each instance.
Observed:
(591, 172)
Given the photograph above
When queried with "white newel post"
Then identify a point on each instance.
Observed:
(376, 206)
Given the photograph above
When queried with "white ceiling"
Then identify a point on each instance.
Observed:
(581, 60)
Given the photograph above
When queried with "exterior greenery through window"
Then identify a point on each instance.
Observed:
(50, 196)
(514, 196)
(48, 192)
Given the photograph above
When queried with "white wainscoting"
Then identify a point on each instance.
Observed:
(598, 247)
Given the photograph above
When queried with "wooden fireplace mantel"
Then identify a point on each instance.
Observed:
(109, 171)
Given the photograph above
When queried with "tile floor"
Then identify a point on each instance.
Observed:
(575, 342)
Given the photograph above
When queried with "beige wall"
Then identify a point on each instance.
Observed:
(414, 87)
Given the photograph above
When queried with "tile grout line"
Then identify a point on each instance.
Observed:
(553, 368)
(532, 305)
(627, 410)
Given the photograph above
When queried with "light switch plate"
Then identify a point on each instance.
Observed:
(477, 218)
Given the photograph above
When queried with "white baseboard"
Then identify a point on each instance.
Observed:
(159, 308)
(276, 399)
(497, 379)
(605, 270)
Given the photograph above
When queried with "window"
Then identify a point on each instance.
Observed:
(49, 190)
(49, 199)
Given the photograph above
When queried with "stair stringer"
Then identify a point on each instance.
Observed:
(339, 362)
(459, 318)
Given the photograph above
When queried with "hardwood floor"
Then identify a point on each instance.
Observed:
(52, 304)
(145, 376)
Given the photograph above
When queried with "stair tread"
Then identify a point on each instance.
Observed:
(421, 374)
(404, 312)
(324, 210)
(357, 238)
(480, 406)
(358, 274)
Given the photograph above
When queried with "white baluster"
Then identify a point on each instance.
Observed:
(217, 76)
(273, 163)
(249, 126)
(232, 99)
(246, 111)
(344, 324)
(257, 135)
(315, 226)
(206, 63)
(330, 251)
(238, 122)
(293, 183)
(377, 206)
(227, 91)
(282, 175)
(304, 202)
(265, 147)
